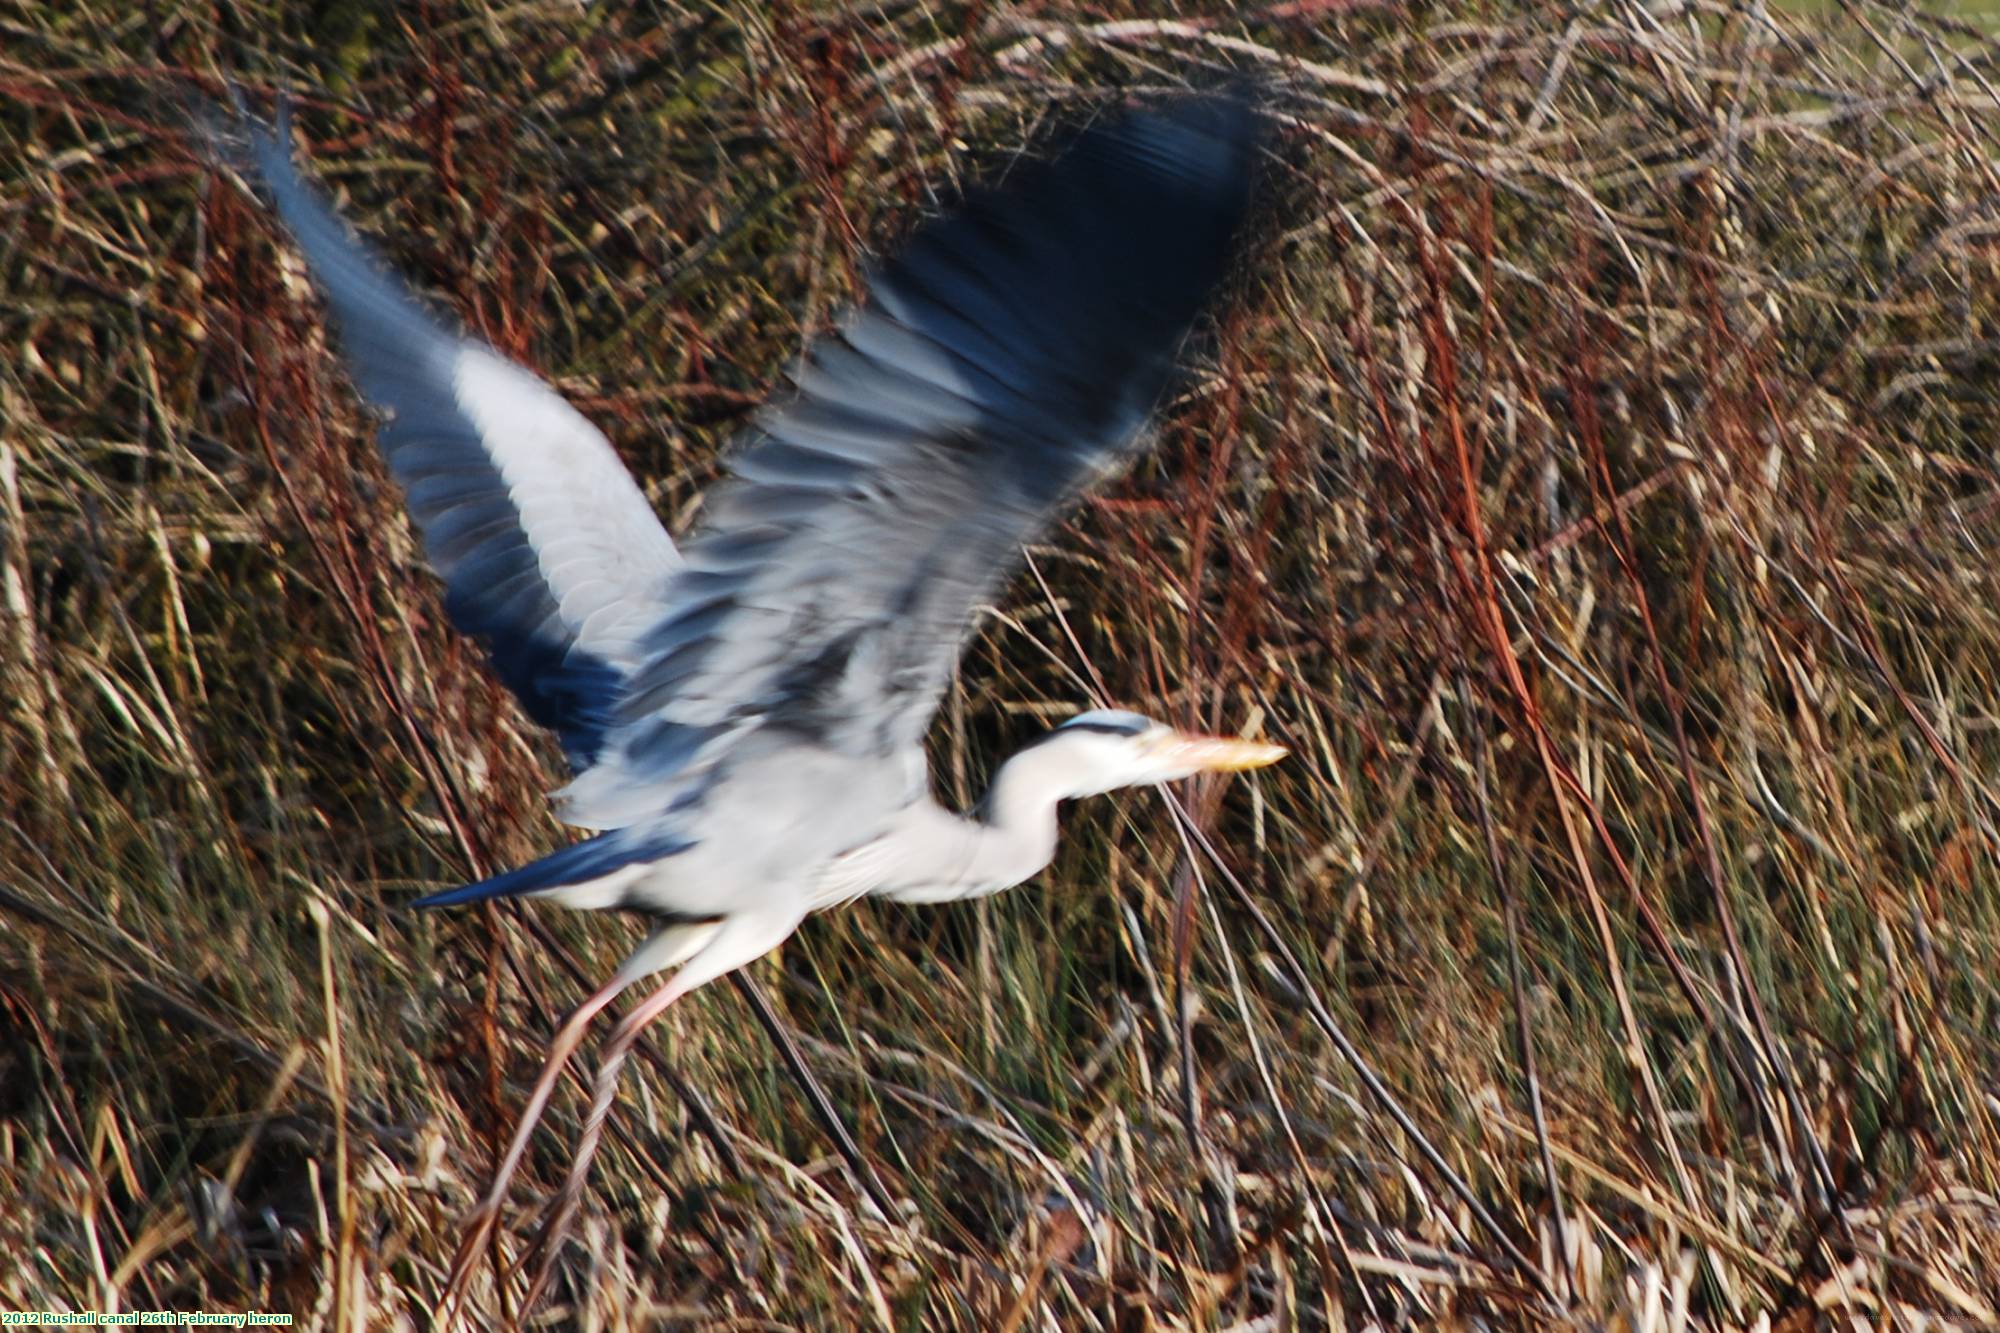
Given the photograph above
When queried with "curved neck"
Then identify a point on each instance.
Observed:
(1024, 793)
(1009, 836)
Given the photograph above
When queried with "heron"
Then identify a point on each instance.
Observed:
(745, 714)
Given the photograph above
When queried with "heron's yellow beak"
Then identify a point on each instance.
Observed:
(1224, 754)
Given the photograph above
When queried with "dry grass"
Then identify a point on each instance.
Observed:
(1593, 479)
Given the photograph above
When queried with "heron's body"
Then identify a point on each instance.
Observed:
(746, 714)
(798, 808)
(821, 829)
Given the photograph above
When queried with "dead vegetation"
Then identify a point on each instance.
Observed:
(1592, 480)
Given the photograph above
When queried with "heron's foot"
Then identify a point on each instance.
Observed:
(549, 1241)
(479, 1226)
(562, 1209)
(478, 1234)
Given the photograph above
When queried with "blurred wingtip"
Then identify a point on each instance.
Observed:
(1235, 113)
(1209, 137)
(230, 136)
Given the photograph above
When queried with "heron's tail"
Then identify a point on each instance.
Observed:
(609, 861)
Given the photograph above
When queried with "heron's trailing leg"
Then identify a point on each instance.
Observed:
(739, 940)
(664, 948)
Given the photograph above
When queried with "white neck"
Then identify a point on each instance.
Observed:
(939, 856)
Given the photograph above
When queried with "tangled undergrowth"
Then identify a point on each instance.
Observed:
(1591, 478)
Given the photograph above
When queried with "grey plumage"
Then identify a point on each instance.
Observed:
(550, 554)
(1003, 361)
(746, 717)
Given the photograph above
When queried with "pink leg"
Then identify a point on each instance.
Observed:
(663, 948)
(741, 940)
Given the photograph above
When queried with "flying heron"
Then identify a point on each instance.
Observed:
(745, 715)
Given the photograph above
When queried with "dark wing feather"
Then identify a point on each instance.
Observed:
(549, 552)
(1002, 363)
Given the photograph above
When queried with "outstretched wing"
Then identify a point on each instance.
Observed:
(1001, 364)
(549, 552)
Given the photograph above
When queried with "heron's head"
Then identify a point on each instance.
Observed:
(1106, 749)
